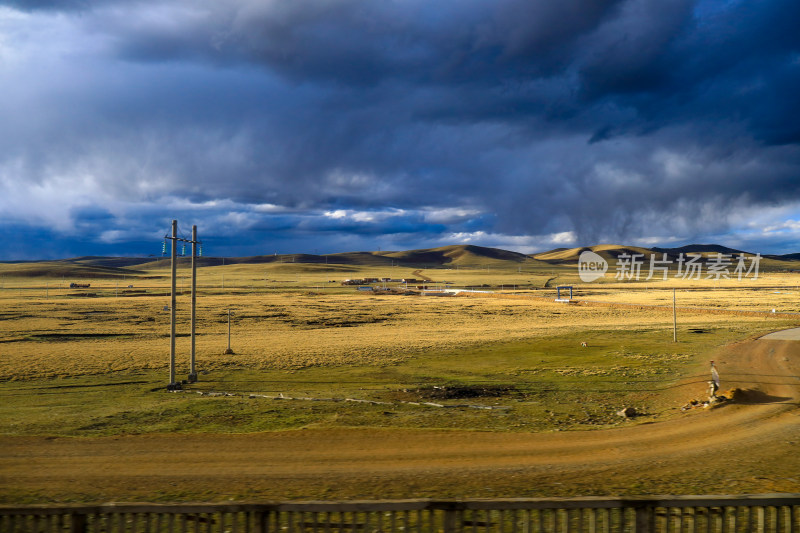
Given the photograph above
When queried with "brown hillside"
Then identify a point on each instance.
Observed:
(607, 251)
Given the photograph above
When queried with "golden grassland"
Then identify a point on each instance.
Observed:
(96, 363)
(59, 337)
(298, 315)
(783, 297)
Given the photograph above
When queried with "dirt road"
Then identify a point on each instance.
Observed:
(792, 334)
(421, 276)
(737, 448)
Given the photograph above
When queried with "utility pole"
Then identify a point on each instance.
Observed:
(192, 370)
(674, 319)
(172, 385)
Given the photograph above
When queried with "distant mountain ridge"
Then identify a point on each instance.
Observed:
(465, 255)
(571, 255)
(612, 251)
(700, 248)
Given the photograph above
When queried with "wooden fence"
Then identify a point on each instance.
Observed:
(679, 514)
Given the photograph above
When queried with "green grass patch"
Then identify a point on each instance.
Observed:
(65, 337)
(543, 384)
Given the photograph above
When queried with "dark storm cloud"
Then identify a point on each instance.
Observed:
(614, 120)
(735, 63)
(354, 42)
(54, 5)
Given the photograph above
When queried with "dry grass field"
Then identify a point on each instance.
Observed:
(777, 293)
(52, 332)
(96, 358)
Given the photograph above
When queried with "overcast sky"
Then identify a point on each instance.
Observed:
(340, 125)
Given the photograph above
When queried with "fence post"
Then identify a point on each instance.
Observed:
(260, 522)
(79, 523)
(450, 520)
(644, 517)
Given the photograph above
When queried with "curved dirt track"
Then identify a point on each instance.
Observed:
(736, 448)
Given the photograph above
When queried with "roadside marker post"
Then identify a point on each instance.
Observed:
(229, 351)
(674, 319)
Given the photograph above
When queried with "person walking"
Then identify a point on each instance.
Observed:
(713, 385)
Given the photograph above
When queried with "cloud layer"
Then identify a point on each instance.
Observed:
(351, 124)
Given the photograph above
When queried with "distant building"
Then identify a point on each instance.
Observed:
(363, 281)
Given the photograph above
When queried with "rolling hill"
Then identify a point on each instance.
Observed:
(571, 255)
(65, 268)
(464, 254)
(454, 256)
(703, 249)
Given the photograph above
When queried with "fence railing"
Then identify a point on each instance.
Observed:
(779, 513)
